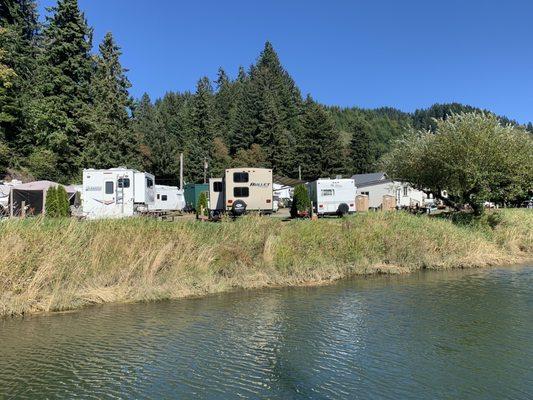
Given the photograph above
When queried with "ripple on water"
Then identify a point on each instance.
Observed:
(435, 335)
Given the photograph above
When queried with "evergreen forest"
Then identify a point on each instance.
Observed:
(65, 106)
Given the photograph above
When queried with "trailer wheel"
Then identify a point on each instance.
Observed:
(343, 210)
(238, 208)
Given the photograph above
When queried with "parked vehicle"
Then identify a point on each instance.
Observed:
(168, 198)
(332, 196)
(116, 192)
(241, 190)
(528, 203)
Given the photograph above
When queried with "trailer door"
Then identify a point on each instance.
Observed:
(109, 191)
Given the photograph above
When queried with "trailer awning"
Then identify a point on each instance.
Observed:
(285, 181)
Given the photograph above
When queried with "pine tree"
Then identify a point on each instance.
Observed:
(242, 117)
(7, 113)
(159, 149)
(18, 50)
(361, 154)
(273, 137)
(271, 83)
(224, 102)
(61, 110)
(202, 130)
(321, 148)
(113, 141)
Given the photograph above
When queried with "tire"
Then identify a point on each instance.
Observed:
(343, 210)
(238, 208)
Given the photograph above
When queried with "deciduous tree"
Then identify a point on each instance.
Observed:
(472, 156)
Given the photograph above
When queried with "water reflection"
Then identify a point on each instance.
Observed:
(432, 335)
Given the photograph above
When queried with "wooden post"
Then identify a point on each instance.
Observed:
(181, 171)
(11, 203)
(44, 202)
(23, 209)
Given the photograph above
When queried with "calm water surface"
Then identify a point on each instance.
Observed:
(455, 335)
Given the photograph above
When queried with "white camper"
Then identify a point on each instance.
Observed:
(116, 192)
(241, 190)
(332, 196)
(168, 198)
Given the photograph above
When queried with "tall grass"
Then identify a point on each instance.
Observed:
(51, 265)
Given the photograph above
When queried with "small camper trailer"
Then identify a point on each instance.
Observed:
(168, 198)
(332, 196)
(116, 192)
(241, 190)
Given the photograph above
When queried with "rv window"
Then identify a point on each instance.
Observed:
(405, 191)
(149, 182)
(123, 182)
(240, 177)
(241, 192)
(158, 196)
(164, 197)
(109, 187)
(327, 192)
(217, 186)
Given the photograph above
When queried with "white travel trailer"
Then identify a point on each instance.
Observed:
(168, 198)
(241, 190)
(332, 196)
(116, 192)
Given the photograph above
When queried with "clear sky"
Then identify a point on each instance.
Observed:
(369, 53)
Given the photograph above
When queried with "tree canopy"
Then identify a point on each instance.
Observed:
(64, 107)
(472, 156)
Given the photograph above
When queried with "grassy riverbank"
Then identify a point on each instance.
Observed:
(52, 265)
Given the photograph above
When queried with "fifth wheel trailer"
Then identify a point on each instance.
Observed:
(241, 190)
(116, 192)
(332, 196)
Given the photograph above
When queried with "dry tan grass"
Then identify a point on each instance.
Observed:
(54, 265)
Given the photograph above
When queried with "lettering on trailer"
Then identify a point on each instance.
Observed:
(93, 188)
(263, 185)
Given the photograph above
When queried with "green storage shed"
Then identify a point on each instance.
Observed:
(192, 194)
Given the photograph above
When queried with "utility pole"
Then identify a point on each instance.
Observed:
(299, 172)
(205, 169)
(181, 171)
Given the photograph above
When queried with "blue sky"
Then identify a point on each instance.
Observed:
(404, 54)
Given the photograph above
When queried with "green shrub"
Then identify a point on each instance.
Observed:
(57, 204)
(300, 201)
(202, 204)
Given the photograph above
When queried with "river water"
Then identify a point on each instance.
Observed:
(445, 335)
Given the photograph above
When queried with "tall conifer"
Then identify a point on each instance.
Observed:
(113, 142)
(61, 110)
(361, 153)
(18, 47)
(321, 146)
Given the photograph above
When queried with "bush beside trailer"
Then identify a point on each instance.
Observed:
(116, 192)
(241, 190)
(332, 196)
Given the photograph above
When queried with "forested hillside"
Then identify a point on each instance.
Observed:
(64, 108)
